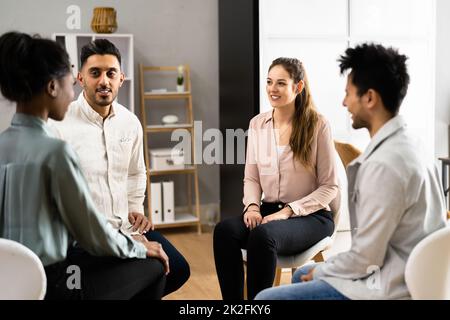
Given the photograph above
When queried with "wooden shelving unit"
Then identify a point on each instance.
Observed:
(148, 98)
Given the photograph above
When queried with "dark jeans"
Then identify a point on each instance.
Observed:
(115, 278)
(179, 267)
(263, 244)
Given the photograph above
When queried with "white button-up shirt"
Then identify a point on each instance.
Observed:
(111, 157)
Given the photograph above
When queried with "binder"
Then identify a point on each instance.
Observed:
(156, 209)
(71, 48)
(168, 201)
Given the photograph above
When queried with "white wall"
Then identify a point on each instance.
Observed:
(442, 114)
(328, 27)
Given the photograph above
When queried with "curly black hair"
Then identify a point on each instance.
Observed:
(382, 69)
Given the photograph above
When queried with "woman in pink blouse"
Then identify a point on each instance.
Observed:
(291, 166)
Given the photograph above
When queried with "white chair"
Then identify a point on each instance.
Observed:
(294, 261)
(427, 271)
(22, 275)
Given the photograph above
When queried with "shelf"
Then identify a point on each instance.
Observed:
(167, 95)
(181, 219)
(187, 169)
(167, 128)
(158, 97)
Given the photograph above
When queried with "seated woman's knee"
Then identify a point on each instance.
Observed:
(221, 229)
(261, 235)
(225, 227)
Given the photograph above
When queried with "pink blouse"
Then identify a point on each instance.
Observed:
(276, 177)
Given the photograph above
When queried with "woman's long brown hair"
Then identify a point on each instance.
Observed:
(305, 117)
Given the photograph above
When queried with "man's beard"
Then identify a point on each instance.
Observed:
(104, 102)
(359, 124)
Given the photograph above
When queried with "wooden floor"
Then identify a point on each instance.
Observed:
(198, 251)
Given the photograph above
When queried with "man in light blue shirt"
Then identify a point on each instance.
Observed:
(395, 197)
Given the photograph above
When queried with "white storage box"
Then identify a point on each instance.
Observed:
(166, 159)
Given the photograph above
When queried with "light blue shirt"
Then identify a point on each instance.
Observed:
(395, 200)
(45, 202)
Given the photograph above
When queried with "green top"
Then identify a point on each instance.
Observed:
(45, 202)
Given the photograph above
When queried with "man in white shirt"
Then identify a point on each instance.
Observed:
(107, 138)
(395, 196)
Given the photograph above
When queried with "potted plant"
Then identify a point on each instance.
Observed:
(180, 79)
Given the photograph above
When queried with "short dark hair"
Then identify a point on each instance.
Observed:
(99, 46)
(381, 69)
(28, 63)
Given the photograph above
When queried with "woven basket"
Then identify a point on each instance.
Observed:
(104, 20)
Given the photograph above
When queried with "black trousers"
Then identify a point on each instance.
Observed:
(108, 278)
(263, 244)
(179, 267)
(115, 278)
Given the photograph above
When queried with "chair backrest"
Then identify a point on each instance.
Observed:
(347, 153)
(22, 275)
(427, 271)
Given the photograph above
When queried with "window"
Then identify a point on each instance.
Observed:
(317, 32)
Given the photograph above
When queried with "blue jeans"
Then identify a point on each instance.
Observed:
(298, 290)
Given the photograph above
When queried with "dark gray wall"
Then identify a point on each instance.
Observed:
(166, 32)
(239, 91)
